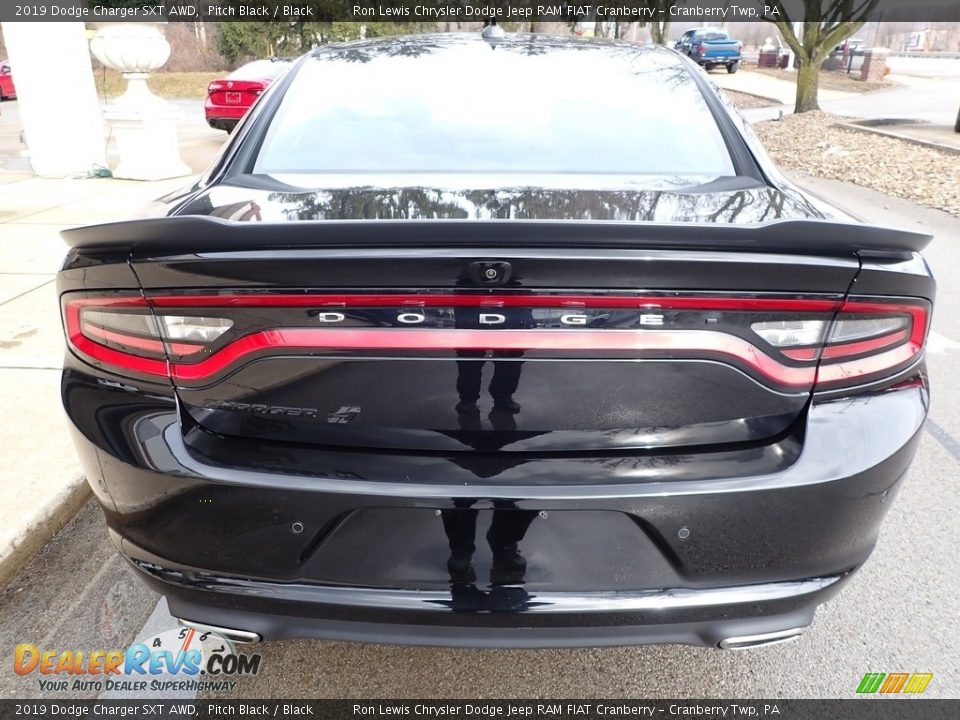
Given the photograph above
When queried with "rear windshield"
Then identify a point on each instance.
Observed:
(260, 70)
(467, 108)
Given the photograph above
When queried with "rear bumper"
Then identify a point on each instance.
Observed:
(717, 59)
(223, 116)
(615, 553)
(465, 615)
(512, 618)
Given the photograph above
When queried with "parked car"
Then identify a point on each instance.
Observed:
(847, 56)
(229, 99)
(7, 88)
(711, 47)
(439, 379)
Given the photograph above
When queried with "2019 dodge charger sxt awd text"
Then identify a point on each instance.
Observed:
(440, 352)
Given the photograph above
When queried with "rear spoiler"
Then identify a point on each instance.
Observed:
(199, 233)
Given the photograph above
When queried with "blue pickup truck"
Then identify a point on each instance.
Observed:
(711, 47)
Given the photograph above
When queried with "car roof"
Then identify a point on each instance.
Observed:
(268, 66)
(519, 44)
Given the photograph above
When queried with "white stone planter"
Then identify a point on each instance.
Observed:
(144, 125)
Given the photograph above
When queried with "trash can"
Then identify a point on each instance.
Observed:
(767, 59)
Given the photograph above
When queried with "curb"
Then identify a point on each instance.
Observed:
(877, 130)
(50, 520)
(774, 102)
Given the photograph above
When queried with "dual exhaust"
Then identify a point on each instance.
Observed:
(231, 634)
(748, 642)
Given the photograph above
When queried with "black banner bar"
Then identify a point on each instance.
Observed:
(881, 708)
(713, 11)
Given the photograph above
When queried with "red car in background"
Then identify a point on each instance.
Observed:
(7, 88)
(229, 99)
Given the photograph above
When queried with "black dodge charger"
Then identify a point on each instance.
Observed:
(495, 341)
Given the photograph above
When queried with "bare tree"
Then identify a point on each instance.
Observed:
(826, 24)
(660, 29)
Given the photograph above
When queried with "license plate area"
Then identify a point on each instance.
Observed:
(564, 550)
(234, 98)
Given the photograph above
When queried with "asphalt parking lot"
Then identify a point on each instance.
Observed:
(899, 614)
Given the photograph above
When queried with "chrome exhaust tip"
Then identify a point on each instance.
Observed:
(746, 642)
(231, 634)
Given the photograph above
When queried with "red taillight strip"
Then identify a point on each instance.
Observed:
(101, 353)
(140, 343)
(468, 339)
(863, 346)
(918, 313)
(854, 369)
(804, 354)
(116, 358)
(531, 301)
(386, 339)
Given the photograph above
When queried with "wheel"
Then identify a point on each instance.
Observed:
(709, 66)
(733, 67)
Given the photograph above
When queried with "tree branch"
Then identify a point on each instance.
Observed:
(837, 36)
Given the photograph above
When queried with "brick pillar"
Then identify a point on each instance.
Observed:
(874, 64)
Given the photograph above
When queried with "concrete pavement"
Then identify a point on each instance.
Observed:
(757, 83)
(40, 483)
(941, 137)
(932, 65)
(932, 100)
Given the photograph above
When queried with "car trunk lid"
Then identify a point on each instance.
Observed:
(474, 337)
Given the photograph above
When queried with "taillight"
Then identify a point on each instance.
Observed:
(787, 333)
(872, 338)
(191, 328)
(214, 87)
(794, 344)
(868, 340)
(699, 48)
(122, 333)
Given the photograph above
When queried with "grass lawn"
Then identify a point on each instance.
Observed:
(164, 84)
(829, 80)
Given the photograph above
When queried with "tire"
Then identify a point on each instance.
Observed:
(709, 66)
(733, 67)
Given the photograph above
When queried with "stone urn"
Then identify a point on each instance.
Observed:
(144, 125)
